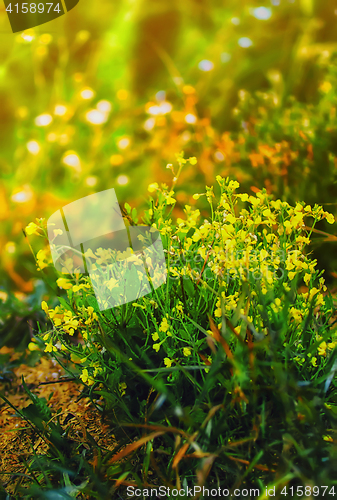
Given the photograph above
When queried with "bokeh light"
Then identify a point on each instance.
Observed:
(245, 42)
(33, 147)
(123, 180)
(43, 120)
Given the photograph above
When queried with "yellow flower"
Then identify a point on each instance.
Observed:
(156, 347)
(254, 201)
(82, 286)
(193, 160)
(41, 257)
(32, 228)
(244, 197)
(218, 312)
(167, 362)
(230, 218)
(122, 388)
(153, 187)
(169, 198)
(155, 337)
(84, 376)
(187, 351)
(70, 325)
(33, 347)
(314, 361)
(322, 349)
(296, 314)
(164, 325)
(329, 217)
(44, 306)
(63, 283)
(89, 254)
(233, 185)
(326, 87)
(306, 278)
(50, 347)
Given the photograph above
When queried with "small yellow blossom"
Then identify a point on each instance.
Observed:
(233, 185)
(187, 351)
(156, 347)
(44, 306)
(32, 228)
(168, 362)
(63, 283)
(329, 217)
(169, 198)
(164, 325)
(42, 258)
(122, 388)
(322, 349)
(50, 347)
(33, 347)
(86, 378)
(153, 187)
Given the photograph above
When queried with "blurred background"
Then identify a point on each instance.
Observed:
(106, 95)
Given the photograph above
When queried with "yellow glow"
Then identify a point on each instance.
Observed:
(104, 106)
(96, 117)
(87, 93)
(190, 118)
(28, 35)
(122, 94)
(10, 247)
(51, 137)
(22, 195)
(43, 120)
(116, 160)
(33, 147)
(72, 160)
(122, 180)
(60, 110)
(91, 181)
(123, 143)
(45, 39)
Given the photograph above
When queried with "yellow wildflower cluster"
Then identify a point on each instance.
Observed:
(61, 317)
(262, 244)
